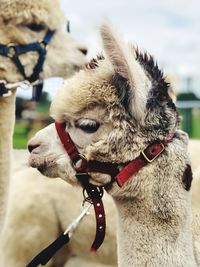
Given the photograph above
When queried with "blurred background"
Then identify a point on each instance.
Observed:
(169, 30)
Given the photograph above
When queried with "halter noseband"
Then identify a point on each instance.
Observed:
(13, 52)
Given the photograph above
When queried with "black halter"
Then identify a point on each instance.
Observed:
(13, 52)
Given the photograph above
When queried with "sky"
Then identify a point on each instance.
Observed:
(170, 29)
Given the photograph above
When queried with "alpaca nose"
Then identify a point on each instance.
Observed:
(83, 50)
(31, 147)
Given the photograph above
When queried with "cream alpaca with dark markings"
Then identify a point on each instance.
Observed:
(154, 206)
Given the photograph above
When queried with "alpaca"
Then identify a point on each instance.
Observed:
(21, 23)
(113, 110)
(59, 194)
(14, 219)
(24, 23)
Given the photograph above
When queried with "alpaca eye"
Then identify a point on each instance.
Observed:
(87, 125)
(35, 27)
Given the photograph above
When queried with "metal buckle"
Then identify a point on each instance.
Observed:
(11, 50)
(75, 223)
(151, 160)
(43, 45)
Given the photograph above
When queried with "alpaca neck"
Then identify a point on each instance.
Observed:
(7, 119)
(144, 240)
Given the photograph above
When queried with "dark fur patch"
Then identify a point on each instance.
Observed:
(159, 103)
(93, 64)
(187, 177)
(150, 66)
(123, 91)
(160, 87)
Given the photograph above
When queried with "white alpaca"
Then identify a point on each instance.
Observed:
(21, 23)
(112, 111)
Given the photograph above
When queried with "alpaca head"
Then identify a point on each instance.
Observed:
(24, 22)
(112, 109)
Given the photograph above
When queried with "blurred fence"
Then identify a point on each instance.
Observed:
(190, 117)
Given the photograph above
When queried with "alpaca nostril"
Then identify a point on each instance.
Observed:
(32, 147)
(83, 50)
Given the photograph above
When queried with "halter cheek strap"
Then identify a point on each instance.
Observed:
(13, 52)
(94, 193)
(120, 173)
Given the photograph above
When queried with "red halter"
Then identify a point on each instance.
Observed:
(121, 176)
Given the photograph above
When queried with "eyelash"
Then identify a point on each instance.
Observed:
(88, 127)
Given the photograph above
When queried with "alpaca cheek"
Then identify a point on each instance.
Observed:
(187, 178)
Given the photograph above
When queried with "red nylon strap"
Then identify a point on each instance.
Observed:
(148, 155)
(91, 190)
(66, 141)
(100, 224)
(129, 170)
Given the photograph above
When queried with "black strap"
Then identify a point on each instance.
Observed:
(14, 51)
(3, 89)
(45, 255)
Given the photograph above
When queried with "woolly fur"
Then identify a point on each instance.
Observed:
(154, 207)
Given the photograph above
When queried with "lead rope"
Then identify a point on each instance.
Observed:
(46, 254)
(6, 88)
(94, 196)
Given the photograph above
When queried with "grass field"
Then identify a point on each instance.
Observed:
(190, 122)
(20, 136)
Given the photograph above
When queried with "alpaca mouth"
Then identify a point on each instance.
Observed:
(35, 161)
(41, 163)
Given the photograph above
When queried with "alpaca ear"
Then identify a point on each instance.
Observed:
(124, 63)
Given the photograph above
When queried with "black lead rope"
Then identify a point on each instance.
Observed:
(46, 254)
(93, 193)
(3, 89)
